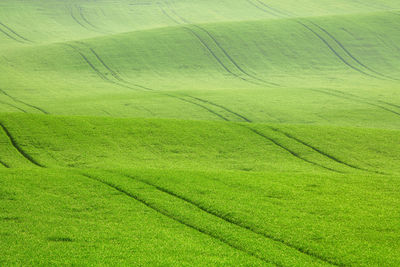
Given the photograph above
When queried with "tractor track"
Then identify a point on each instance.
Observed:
(5, 165)
(116, 76)
(321, 152)
(280, 14)
(230, 58)
(178, 220)
(229, 220)
(15, 33)
(10, 36)
(23, 102)
(288, 149)
(288, 136)
(13, 106)
(351, 55)
(204, 43)
(197, 104)
(336, 53)
(356, 99)
(85, 19)
(18, 148)
(92, 28)
(222, 107)
(100, 74)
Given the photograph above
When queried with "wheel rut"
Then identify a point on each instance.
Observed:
(18, 148)
(290, 151)
(321, 152)
(340, 52)
(23, 102)
(174, 218)
(235, 67)
(13, 106)
(230, 220)
(13, 35)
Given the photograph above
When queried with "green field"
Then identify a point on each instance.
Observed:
(200, 133)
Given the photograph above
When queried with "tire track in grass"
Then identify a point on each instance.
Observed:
(222, 107)
(85, 19)
(228, 219)
(367, 101)
(281, 14)
(23, 102)
(290, 137)
(336, 53)
(168, 215)
(321, 152)
(232, 60)
(227, 55)
(13, 106)
(205, 45)
(100, 74)
(356, 99)
(350, 54)
(208, 48)
(5, 165)
(202, 106)
(262, 9)
(9, 36)
(293, 153)
(112, 72)
(116, 76)
(18, 148)
(360, 65)
(71, 12)
(15, 33)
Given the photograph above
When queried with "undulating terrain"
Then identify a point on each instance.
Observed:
(200, 132)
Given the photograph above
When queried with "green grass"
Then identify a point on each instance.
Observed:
(200, 133)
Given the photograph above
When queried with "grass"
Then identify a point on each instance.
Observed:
(189, 133)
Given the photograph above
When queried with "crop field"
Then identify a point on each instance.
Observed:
(200, 132)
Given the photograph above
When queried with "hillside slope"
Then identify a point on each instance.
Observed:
(238, 133)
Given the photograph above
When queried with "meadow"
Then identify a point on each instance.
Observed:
(200, 133)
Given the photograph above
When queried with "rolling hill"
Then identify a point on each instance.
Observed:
(238, 133)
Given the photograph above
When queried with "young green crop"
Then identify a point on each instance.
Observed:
(237, 133)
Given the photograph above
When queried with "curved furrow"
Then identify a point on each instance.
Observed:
(356, 100)
(366, 100)
(321, 152)
(136, 85)
(288, 149)
(283, 14)
(71, 12)
(10, 36)
(95, 28)
(18, 148)
(233, 61)
(336, 53)
(205, 45)
(199, 105)
(351, 55)
(5, 165)
(260, 8)
(280, 12)
(23, 102)
(174, 218)
(15, 33)
(100, 74)
(222, 107)
(114, 73)
(232, 221)
(13, 106)
(227, 55)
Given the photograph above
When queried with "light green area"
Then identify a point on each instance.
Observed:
(200, 133)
